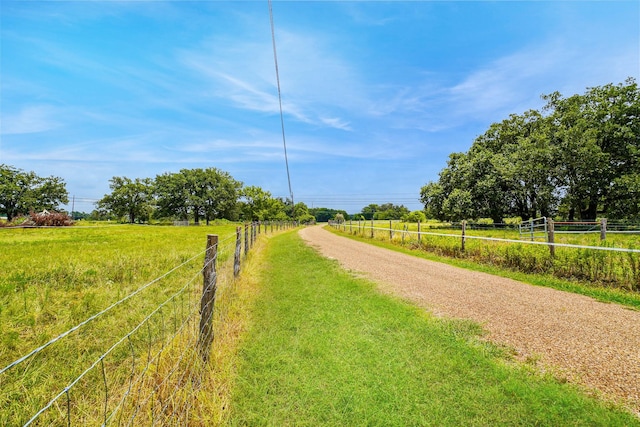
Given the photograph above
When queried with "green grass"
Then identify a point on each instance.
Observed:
(326, 348)
(53, 279)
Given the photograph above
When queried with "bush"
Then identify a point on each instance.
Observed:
(485, 221)
(50, 219)
(415, 216)
(516, 220)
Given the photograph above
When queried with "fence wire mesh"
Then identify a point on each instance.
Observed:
(135, 362)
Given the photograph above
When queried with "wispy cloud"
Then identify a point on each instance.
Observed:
(314, 78)
(30, 119)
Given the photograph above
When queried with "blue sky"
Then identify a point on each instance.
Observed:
(376, 95)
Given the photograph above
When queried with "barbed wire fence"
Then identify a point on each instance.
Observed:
(145, 376)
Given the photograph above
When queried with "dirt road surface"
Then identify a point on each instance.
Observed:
(591, 343)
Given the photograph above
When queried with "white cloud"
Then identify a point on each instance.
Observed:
(31, 119)
(336, 123)
(313, 77)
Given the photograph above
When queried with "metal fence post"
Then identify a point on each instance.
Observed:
(531, 227)
(207, 301)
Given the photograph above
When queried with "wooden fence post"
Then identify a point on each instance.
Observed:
(603, 228)
(418, 232)
(253, 233)
(246, 239)
(464, 229)
(236, 255)
(372, 227)
(390, 230)
(207, 301)
(551, 237)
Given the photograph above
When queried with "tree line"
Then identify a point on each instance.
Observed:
(578, 158)
(195, 194)
(190, 194)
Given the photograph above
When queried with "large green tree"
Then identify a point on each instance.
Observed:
(22, 192)
(597, 135)
(202, 193)
(129, 198)
(581, 159)
(259, 205)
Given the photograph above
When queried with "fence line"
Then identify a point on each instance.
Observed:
(95, 316)
(588, 263)
(120, 374)
(105, 354)
(496, 239)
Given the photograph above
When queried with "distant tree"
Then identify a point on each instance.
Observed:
(415, 216)
(390, 211)
(369, 211)
(22, 192)
(75, 215)
(172, 195)
(132, 199)
(258, 205)
(219, 193)
(325, 214)
(339, 218)
(202, 193)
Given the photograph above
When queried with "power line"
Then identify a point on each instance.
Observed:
(275, 59)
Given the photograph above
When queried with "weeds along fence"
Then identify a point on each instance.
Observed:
(151, 373)
(610, 263)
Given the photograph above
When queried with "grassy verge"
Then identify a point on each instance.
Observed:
(611, 295)
(326, 349)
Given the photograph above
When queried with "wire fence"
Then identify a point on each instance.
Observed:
(609, 263)
(145, 376)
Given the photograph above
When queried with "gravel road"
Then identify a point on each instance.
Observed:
(588, 342)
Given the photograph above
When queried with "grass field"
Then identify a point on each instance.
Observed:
(324, 348)
(53, 279)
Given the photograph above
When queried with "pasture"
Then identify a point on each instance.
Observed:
(53, 279)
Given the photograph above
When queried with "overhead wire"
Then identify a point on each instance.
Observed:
(275, 59)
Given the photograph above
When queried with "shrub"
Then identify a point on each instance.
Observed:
(50, 219)
(516, 220)
(415, 216)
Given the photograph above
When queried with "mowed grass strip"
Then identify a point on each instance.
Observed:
(326, 348)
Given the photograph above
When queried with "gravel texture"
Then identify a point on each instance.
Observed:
(588, 342)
